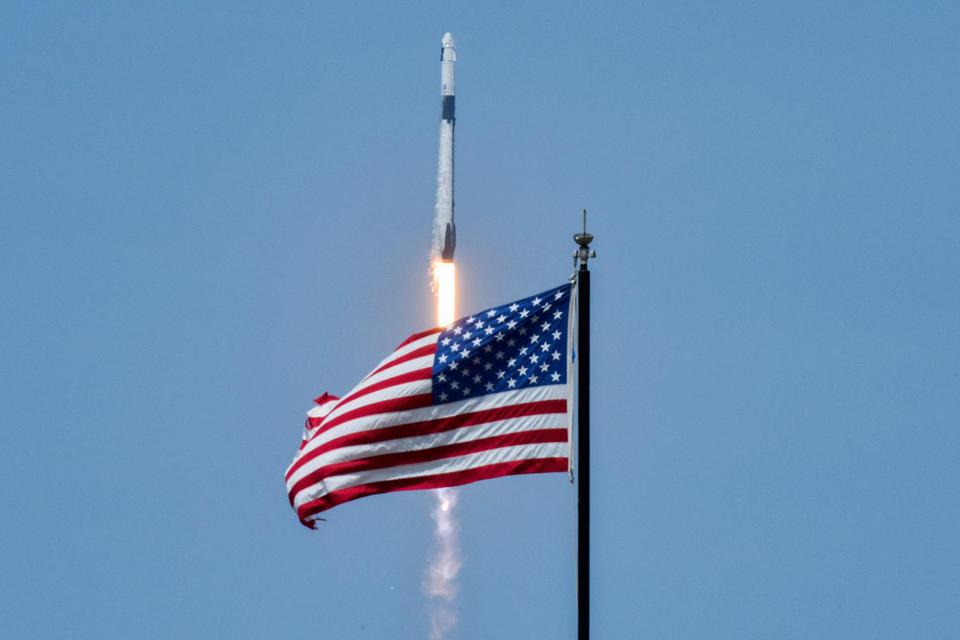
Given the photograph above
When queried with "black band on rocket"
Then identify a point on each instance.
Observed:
(448, 108)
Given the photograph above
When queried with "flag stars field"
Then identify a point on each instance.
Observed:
(522, 328)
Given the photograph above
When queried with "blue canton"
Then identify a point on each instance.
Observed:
(515, 346)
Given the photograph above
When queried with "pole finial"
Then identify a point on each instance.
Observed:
(584, 252)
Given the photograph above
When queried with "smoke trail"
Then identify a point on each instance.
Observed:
(440, 583)
(443, 210)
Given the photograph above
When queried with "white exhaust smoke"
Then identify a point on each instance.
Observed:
(440, 584)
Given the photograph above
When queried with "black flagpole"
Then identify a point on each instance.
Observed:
(582, 255)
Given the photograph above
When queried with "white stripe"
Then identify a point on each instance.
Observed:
(447, 465)
(402, 390)
(428, 441)
(395, 418)
(407, 348)
(426, 362)
(321, 410)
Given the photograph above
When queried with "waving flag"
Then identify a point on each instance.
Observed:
(486, 397)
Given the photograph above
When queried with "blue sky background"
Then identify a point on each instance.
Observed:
(210, 213)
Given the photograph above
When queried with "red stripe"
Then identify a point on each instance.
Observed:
(411, 376)
(428, 350)
(436, 481)
(533, 436)
(390, 405)
(437, 425)
(325, 399)
(417, 336)
(313, 422)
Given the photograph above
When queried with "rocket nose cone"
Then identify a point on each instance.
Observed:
(447, 40)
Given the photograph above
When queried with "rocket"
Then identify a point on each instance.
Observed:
(448, 58)
(446, 229)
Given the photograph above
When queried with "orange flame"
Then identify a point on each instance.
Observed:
(445, 277)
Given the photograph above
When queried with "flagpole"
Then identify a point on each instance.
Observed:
(582, 255)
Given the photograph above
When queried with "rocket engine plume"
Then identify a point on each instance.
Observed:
(440, 583)
(445, 285)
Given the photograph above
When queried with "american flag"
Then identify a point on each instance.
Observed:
(486, 397)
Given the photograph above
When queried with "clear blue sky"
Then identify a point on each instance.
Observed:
(211, 213)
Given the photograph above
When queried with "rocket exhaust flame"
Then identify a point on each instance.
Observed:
(445, 284)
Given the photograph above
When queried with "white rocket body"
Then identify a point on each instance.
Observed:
(444, 230)
(448, 57)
